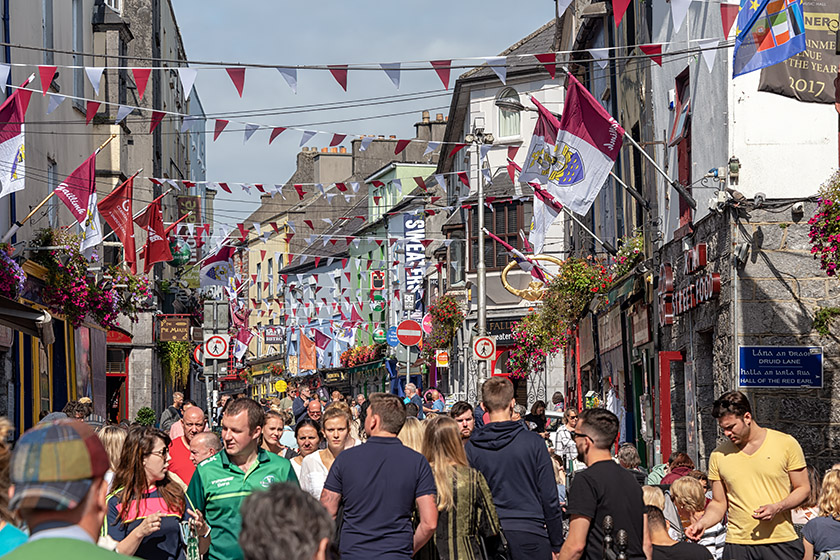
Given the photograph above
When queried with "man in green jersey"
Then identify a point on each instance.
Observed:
(222, 482)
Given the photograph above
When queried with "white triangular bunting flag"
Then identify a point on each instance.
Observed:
(498, 65)
(679, 9)
(329, 196)
(4, 73)
(307, 136)
(482, 151)
(709, 52)
(397, 183)
(601, 56)
(250, 129)
(257, 228)
(94, 74)
(187, 76)
(191, 229)
(488, 177)
(365, 143)
(355, 186)
(431, 147)
(122, 112)
(55, 101)
(290, 75)
(392, 69)
(441, 180)
(348, 197)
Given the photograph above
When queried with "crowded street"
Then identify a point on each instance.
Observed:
(462, 281)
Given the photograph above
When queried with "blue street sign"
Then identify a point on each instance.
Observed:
(392, 337)
(781, 367)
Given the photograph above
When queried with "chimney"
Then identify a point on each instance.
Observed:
(333, 150)
(439, 117)
(342, 150)
(426, 117)
(324, 150)
(428, 130)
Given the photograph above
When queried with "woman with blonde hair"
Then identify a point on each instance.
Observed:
(316, 466)
(112, 438)
(822, 534)
(467, 513)
(411, 434)
(690, 500)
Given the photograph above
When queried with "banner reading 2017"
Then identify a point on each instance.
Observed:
(809, 75)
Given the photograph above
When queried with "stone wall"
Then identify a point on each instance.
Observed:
(778, 290)
(781, 289)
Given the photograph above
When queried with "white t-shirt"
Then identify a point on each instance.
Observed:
(313, 475)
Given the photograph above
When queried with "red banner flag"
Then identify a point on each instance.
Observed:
(116, 209)
(157, 247)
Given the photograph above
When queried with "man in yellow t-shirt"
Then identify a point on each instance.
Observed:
(757, 477)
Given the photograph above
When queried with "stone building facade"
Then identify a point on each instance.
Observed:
(771, 288)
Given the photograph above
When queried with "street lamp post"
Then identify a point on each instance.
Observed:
(478, 138)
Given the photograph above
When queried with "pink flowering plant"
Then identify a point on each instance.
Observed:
(12, 276)
(358, 355)
(447, 317)
(629, 254)
(72, 292)
(533, 342)
(825, 226)
(547, 329)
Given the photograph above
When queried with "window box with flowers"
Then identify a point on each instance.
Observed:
(359, 355)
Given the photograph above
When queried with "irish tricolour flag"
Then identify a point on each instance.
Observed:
(573, 156)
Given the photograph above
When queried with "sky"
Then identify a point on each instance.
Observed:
(294, 33)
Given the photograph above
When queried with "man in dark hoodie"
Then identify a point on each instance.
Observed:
(518, 470)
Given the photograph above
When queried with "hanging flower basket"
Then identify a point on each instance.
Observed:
(825, 226)
(358, 355)
(12, 276)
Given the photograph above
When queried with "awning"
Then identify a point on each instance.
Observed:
(23, 318)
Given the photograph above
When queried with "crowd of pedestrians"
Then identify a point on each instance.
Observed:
(322, 476)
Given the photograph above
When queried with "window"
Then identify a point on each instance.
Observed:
(505, 222)
(49, 32)
(270, 278)
(508, 120)
(457, 260)
(681, 138)
(259, 281)
(52, 205)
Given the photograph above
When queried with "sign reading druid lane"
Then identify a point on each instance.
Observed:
(780, 367)
(809, 75)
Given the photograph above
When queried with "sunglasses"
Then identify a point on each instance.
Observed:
(576, 435)
(163, 453)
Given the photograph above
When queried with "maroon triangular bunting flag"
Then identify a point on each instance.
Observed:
(442, 69)
(237, 76)
(728, 15)
(654, 52)
(401, 145)
(456, 149)
(219, 127)
(549, 60)
(339, 72)
(157, 117)
(275, 132)
(141, 78)
(90, 110)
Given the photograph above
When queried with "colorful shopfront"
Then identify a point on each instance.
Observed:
(60, 365)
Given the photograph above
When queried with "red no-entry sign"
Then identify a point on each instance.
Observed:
(409, 332)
